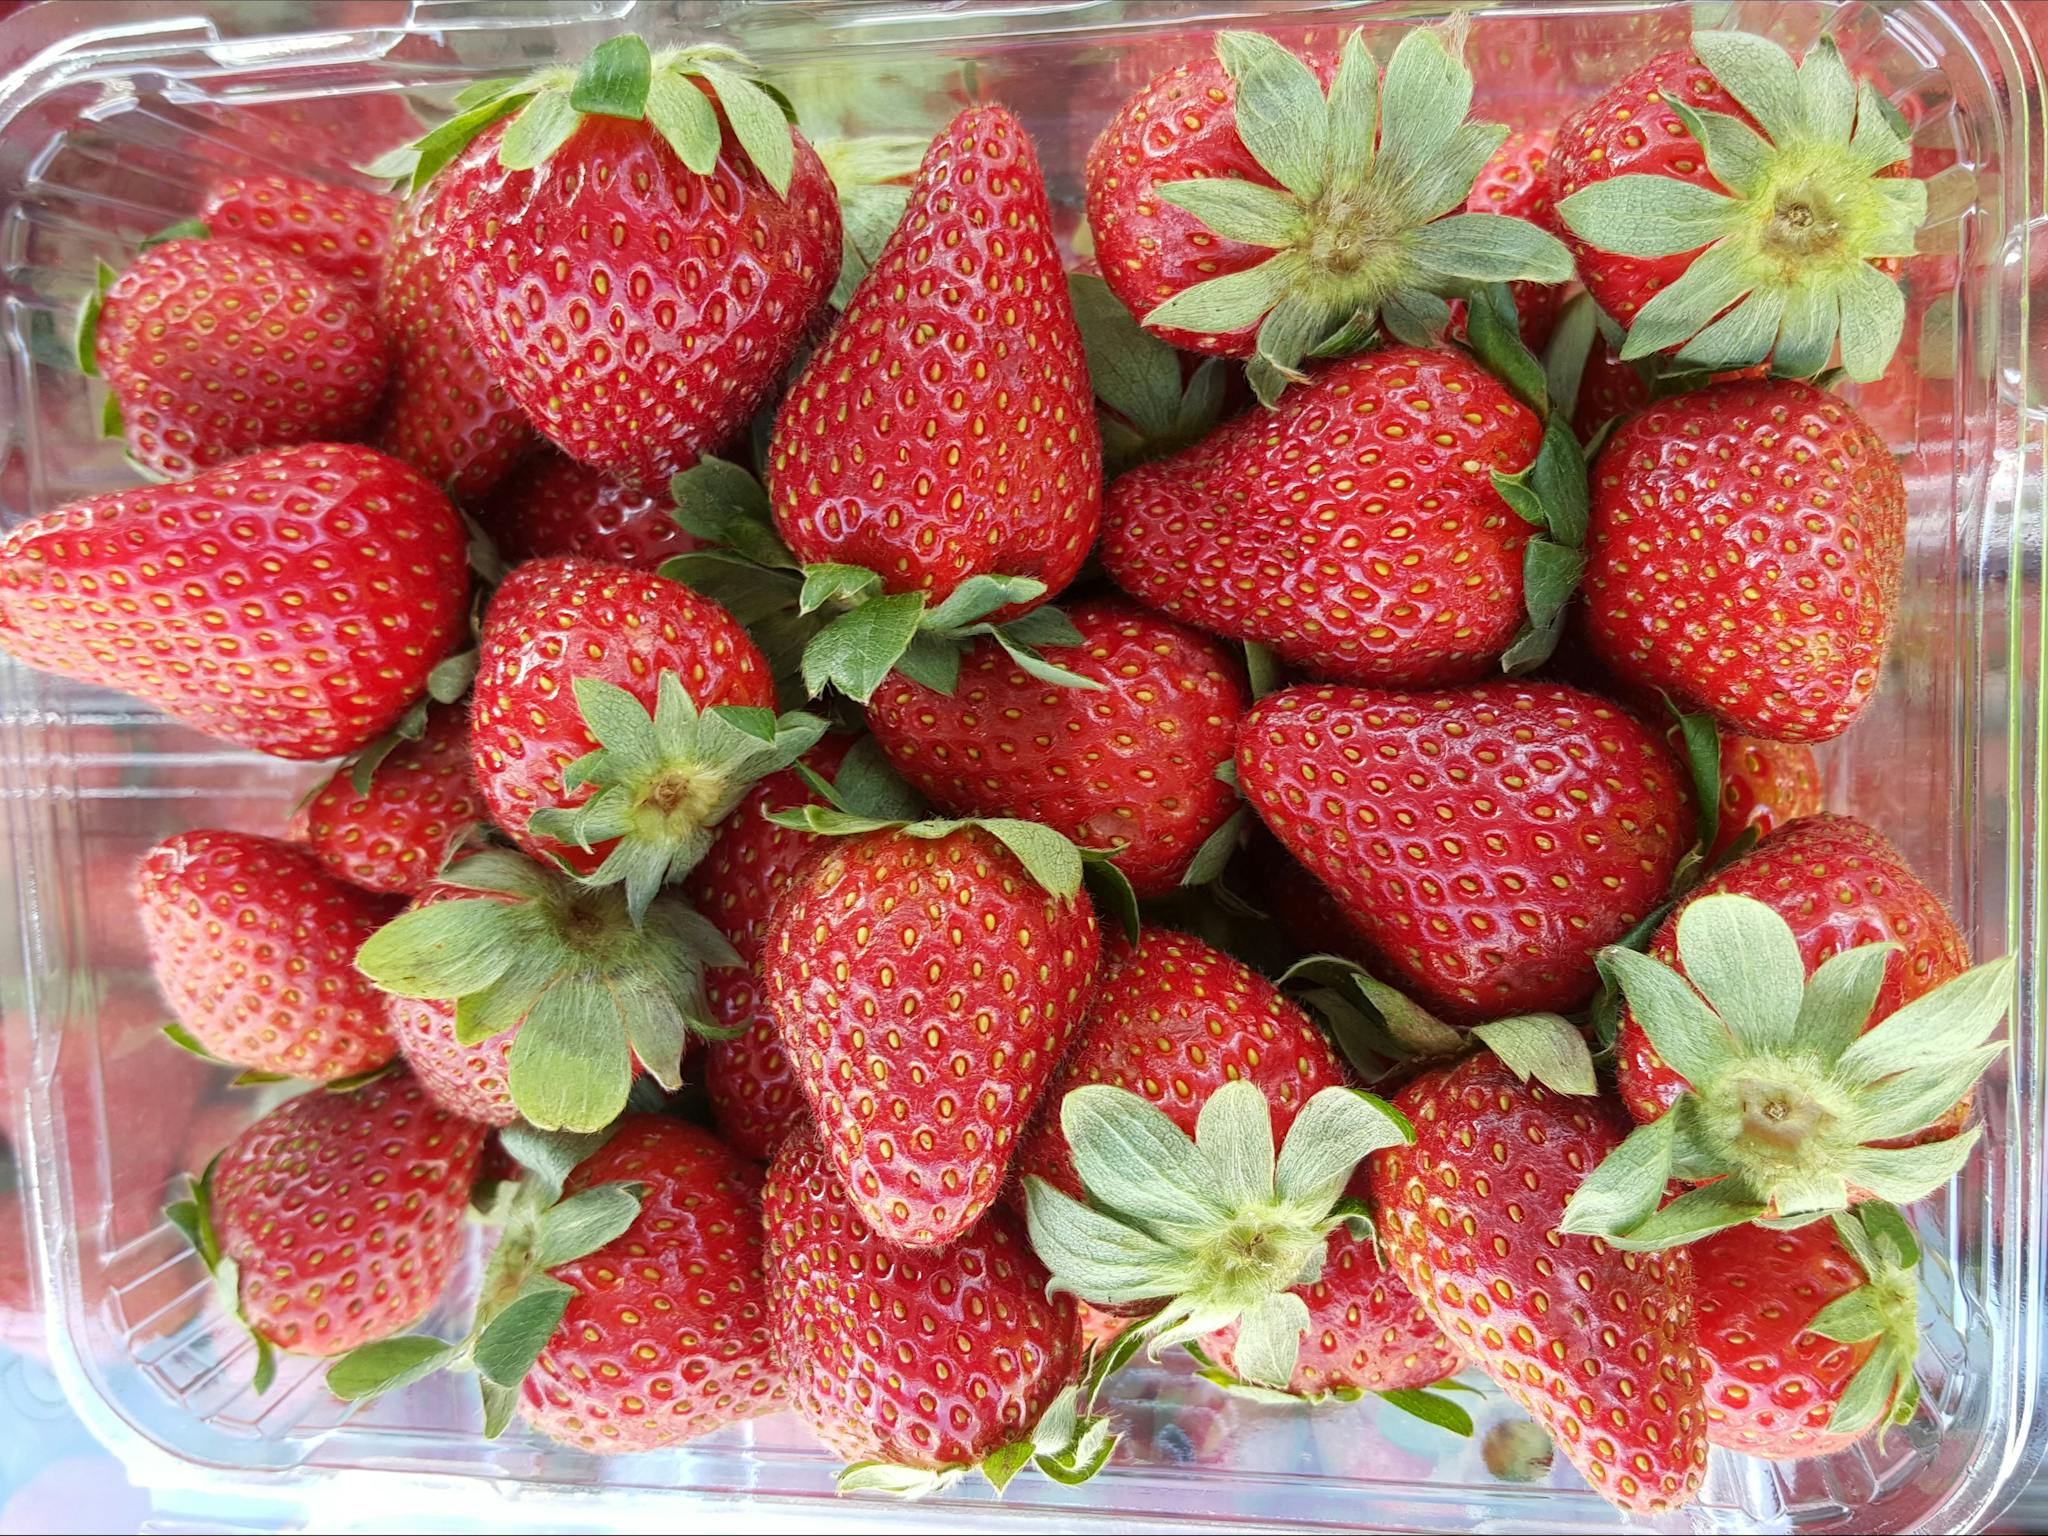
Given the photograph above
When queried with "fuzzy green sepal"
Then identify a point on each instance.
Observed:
(193, 1217)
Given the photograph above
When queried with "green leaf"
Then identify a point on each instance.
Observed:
(397, 164)
(500, 1403)
(1269, 1340)
(1034, 665)
(584, 1223)
(1737, 155)
(1564, 360)
(721, 502)
(1744, 959)
(1046, 856)
(1135, 1161)
(480, 92)
(513, 1340)
(1281, 115)
(386, 1365)
(840, 585)
(446, 950)
(1445, 181)
(897, 1481)
(1956, 1016)
(1415, 317)
(541, 128)
(867, 785)
(1889, 1232)
(1089, 1454)
(1335, 1131)
(441, 145)
(1760, 75)
(1850, 1318)
(1881, 139)
(1110, 889)
(1489, 248)
(1134, 373)
(1550, 574)
(1232, 302)
(1423, 102)
(1686, 1033)
(1648, 216)
(1838, 998)
(757, 122)
(1262, 669)
(1743, 336)
(549, 1156)
(86, 337)
(1873, 318)
(1806, 333)
(1717, 278)
(1214, 856)
(1701, 736)
(570, 1068)
(1869, 1393)
(977, 597)
(266, 1365)
(1431, 1408)
(1042, 626)
(1495, 339)
(1234, 1133)
(183, 229)
(1828, 93)
(868, 216)
(185, 1040)
(1544, 1046)
(1001, 1464)
(1905, 1174)
(1094, 1255)
(1354, 105)
(1624, 1190)
(859, 648)
(684, 116)
(1242, 211)
(1911, 1101)
(614, 79)
(1693, 1215)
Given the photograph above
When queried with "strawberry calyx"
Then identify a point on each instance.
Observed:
(1216, 1229)
(1366, 226)
(589, 987)
(1884, 1391)
(1144, 409)
(1067, 1444)
(1785, 251)
(620, 78)
(193, 1217)
(519, 1302)
(872, 176)
(1789, 1099)
(1424, 1403)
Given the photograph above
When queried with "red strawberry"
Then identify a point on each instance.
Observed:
(922, 1122)
(342, 1214)
(1355, 529)
(340, 232)
(1800, 225)
(1313, 223)
(1764, 784)
(217, 348)
(444, 413)
(254, 944)
(755, 1096)
(1597, 1344)
(316, 588)
(945, 428)
(552, 505)
(1129, 764)
(1486, 841)
(1779, 1387)
(419, 805)
(1678, 594)
(567, 642)
(1516, 182)
(932, 1360)
(640, 298)
(667, 1335)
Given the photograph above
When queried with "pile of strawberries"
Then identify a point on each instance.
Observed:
(843, 981)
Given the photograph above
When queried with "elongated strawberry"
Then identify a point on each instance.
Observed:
(389, 821)
(217, 348)
(519, 990)
(1261, 205)
(334, 1220)
(1599, 1345)
(1128, 762)
(858, 1321)
(340, 232)
(634, 248)
(1676, 595)
(1764, 785)
(444, 413)
(1807, 1338)
(883, 935)
(619, 718)
(1357, 529)
(1731, 207)
(294, 602)
(552, 505)
(1486, 840)
(253, 942)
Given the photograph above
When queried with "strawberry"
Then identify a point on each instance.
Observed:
(1807, 1338)
(1516, 183)
(253, 942)
(1127, 762)
(755, 1097)
(1485, 841)
(1676, 594)
(1257, 204)
(635, 250)
(216, 348)
(316, 589)
(1302, 527)
(619, 717)
(982, 926)
(340, 232)
(1764, 785)
(517, 989)
(389, 822)
(1597, 1344)
(444, 413)
(1731, 208)
(916, 1366)
(938, 435)
(552, 505)
(335, 1219)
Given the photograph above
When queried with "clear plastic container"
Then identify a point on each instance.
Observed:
(114, 115)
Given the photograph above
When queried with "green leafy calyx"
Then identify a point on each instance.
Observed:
(193, 1217)
(1885, 1309)
(1067, 1445)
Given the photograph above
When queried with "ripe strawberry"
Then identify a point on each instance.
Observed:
(1677, 595)
(1807, 1338)
(637, 294)
(1272, 245)
(253, 942)
(340, 232)
(1516, 182)
(246, 644)
(1355, 529)
(1486, 840)
(755, 1097)
(933, 1360)
(444, 413)
(601, 732)
(1597, 1344)
(876, 939)
(552, 505)
(945, 429)
(1129, 763)
(1764, 784)
(1717, 208)
(341, 1213)
(217, 348)
(389, 823)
